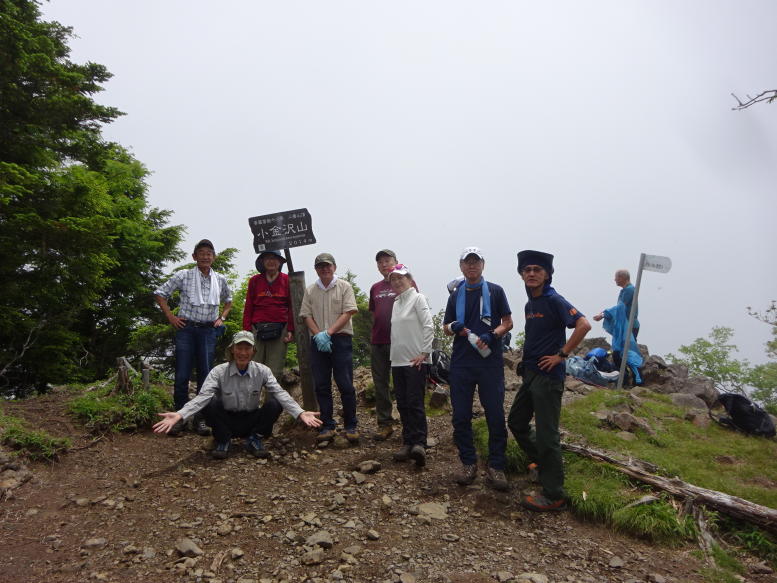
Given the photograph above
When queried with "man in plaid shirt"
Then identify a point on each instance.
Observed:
(198, 323)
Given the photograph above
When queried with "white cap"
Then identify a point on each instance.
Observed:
(471, 251)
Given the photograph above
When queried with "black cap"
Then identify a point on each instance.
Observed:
(386, 252)
(529, 257)
(204, 243)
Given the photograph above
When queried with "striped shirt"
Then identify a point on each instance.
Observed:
(190, 307)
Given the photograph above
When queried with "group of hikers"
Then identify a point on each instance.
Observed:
(229, 396)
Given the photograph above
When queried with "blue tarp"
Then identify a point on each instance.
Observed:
(586, 371)
(616, 321)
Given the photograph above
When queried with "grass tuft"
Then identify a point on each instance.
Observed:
(31, 443)
(102, 411)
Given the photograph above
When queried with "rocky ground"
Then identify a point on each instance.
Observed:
(140, 507)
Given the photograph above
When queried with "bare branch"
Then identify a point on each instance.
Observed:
(31, 338)
(767, 96)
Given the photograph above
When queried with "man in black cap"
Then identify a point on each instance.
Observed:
(198, 323)
(381, 303)
(544, 351)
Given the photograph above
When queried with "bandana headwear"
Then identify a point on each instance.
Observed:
(544, 260)
(529, 257)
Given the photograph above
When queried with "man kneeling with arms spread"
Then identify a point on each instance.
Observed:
(230, 397)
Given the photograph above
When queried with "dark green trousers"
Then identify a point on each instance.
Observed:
(540, 397)
(381, 377)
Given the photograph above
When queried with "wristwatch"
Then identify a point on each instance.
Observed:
(562, 354)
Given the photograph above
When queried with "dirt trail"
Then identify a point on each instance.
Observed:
(114, 511)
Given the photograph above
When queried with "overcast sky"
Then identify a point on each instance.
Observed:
(591, 130)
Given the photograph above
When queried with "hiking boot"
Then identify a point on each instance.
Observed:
(352, 435)
(466, 475)
(418, 455)
(497, 479)
(534, 473)
(255, 447)
(403, 454)
(325, 435)
(383, 433)
(221, 451)
(175, 430)
(201, 428)
(540, 503)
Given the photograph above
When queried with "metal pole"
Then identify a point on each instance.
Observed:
(632, 314)
(302, 338)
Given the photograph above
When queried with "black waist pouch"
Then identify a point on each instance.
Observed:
(268, 330)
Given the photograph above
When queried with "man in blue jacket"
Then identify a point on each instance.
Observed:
(625, 297)
(546, 347)
(479, 308)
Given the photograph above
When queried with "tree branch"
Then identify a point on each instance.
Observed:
(767, 96)
(31, 338)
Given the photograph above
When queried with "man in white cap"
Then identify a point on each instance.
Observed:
(479, 308)
(230, 398)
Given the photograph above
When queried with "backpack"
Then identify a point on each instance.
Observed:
(440, 369)
(745, 416)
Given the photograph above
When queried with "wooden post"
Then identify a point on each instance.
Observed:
(146, 376)
(122, 375)
(302, 338)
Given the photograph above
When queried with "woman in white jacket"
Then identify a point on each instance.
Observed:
(412, 333)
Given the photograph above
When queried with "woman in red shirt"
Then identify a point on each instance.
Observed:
(268, 312)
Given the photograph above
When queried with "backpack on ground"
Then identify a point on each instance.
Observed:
(745, 416)
(439, 371)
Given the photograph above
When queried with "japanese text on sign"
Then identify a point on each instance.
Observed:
(282, 230)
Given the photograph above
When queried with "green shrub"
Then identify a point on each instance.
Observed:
(32, 443)
(656, 521)
(598, 492)
(101, 410)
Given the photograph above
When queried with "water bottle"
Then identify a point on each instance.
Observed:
(473, 339)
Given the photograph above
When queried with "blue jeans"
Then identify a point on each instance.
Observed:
(195, 346)
(340, 363)
(491, 390)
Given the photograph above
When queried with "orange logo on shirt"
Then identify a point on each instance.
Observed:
(529, 316)
(572, 312)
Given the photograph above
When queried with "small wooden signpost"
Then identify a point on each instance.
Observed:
(282, 231)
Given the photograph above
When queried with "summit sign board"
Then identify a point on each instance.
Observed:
(282, 230)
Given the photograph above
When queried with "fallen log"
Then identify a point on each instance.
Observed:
(739, 508)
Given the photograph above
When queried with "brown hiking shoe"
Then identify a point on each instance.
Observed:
(325, 435)
(352, 435)
(383, 433)
(466, 475)
(541, 504)
(497, 479)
